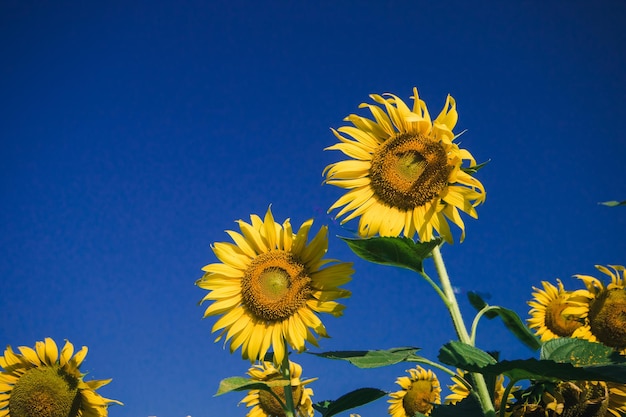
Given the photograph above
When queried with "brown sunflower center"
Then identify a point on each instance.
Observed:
(607, 318)
(409, 170)
(556, 322)
(584, 398)
(275, 286)
(419, 397)
(45, 392)
(270, 404)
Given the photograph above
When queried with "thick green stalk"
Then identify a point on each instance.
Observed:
(290, 411)
(461, 331)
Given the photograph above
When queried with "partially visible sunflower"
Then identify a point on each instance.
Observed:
(41, 383)
(601, 308)
(404, 174)
(269, 284)
(460, 391)
(264, 404)
(546, 314)
(574, 399)
(419, 392)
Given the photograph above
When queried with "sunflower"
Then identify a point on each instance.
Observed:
(41, 383)
(546, 314)
(601, 308)
(269, 285)
(405, 174)
(575, 399)
(418, 393)
(460, 391)
(264, 404)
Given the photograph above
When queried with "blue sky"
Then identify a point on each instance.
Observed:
(134, 133)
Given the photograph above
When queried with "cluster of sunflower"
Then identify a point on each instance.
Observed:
(405, 177)
(596, 313)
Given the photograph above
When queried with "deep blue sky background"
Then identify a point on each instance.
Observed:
(134, 133)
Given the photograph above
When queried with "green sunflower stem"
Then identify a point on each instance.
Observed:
(290, 410)
(461, 331)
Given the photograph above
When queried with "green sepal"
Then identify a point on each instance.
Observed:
(510, 319)
(347, 401)
(475, 168)
(394, 251)
(371, 358)
(239, 383)
(613, 203)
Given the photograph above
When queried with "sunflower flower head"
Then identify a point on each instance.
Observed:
(574, 399)
(264, 404)
(269, 285)
(420, 391)
(547, 316)
(460, 391)
(404, 175)
(601, 308)
(41, 382)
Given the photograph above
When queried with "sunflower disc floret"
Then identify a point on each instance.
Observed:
(405, 175)
(269, 285)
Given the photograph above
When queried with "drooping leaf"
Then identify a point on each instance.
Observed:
(464, 356)
(238, 383)
(613, 203)
(541, 369)
(510, 319)
(580, 352)
(475, 168)
(548, 369)
(371, 358)
(394, 251)
(468, 407)
(478, 303)
(350, 400)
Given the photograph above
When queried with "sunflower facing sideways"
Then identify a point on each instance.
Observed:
(460, 391)
(418, 394)
(405, 174)
(602, 308)
(269, 285)
(264, 404)
(546, 314)
(41, 382)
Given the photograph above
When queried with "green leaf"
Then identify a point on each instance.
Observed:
(371, 358)
(475, 168)
(535, 369)
(239, 383)
(606, 366)
(580, 352)
(510, 319)
(478, 303)
(613, 203)
(394, 251)
(550, 370)
(464, 356)
(468, 407)
(350, 400)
